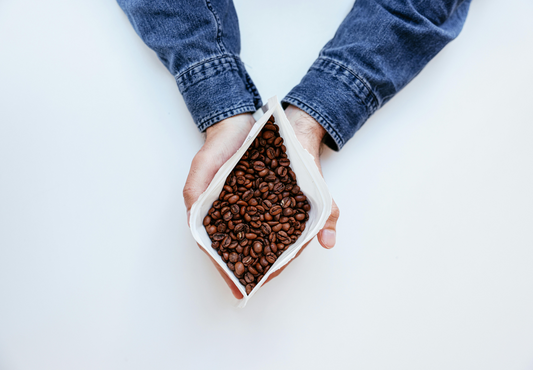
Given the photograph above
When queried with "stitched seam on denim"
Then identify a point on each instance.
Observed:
(206, 122)
(196, 65)
(226, 64)
(219, 27)
(374, 103)
(219, 71)
(324, 121)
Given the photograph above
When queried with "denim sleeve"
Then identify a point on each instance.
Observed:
(199, 42)
(379, 47)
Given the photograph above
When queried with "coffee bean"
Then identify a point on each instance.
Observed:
(239, 268)
(300, 216)
(278, 188)
(249, 288)
(281, 171)
(287, 211)
(259, 166)
(258, 247)
(233, 257)
(266, 229)
(249, 277)
(275, 210)
(263, 187)
(271, 258)
(233, 199)
(268, 134)
(218, 236)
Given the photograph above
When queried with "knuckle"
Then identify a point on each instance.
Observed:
(188, 192)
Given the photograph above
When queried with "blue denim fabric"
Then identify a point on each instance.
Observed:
(379, 47)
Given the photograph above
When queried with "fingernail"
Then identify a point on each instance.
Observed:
(328, 238)
(188, 217)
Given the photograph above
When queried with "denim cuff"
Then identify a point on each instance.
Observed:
(217, 88)
(336, 97)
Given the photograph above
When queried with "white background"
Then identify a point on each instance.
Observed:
(433, 267)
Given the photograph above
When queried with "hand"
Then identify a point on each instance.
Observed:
(222, 141)
(310, 134)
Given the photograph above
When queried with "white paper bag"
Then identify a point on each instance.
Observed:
(307, 175)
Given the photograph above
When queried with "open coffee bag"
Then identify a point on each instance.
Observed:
(309, 180)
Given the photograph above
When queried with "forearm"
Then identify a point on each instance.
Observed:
(199, 43)
(379, 47)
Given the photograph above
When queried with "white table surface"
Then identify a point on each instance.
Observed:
(433, 267)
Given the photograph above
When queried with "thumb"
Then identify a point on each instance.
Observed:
(203, 169)
(328, 235)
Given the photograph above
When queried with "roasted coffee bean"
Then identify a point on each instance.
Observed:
(275, 210)
(281, 171)
(266, 229)
(287, 211)
(263, 187)
(218, 236)
(233, 257)
(260, 210)
(271, 258)
(226, 242)
(249, 277)
(247, 195)
(228, 216)
(239, 268)
(268, 134)
(278, 188)
(259, 166)
(258, 247)
(233, 199)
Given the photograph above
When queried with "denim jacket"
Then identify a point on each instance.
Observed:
(379, 47)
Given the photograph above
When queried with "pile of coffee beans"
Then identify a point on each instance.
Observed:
(260, 212)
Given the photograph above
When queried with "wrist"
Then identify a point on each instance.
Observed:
(306, 127)
(238, 123)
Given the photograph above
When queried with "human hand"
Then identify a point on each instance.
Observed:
(222, 141)
(310, 134)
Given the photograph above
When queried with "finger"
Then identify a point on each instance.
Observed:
(236, 292)
(328, 235)
(203, 169)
